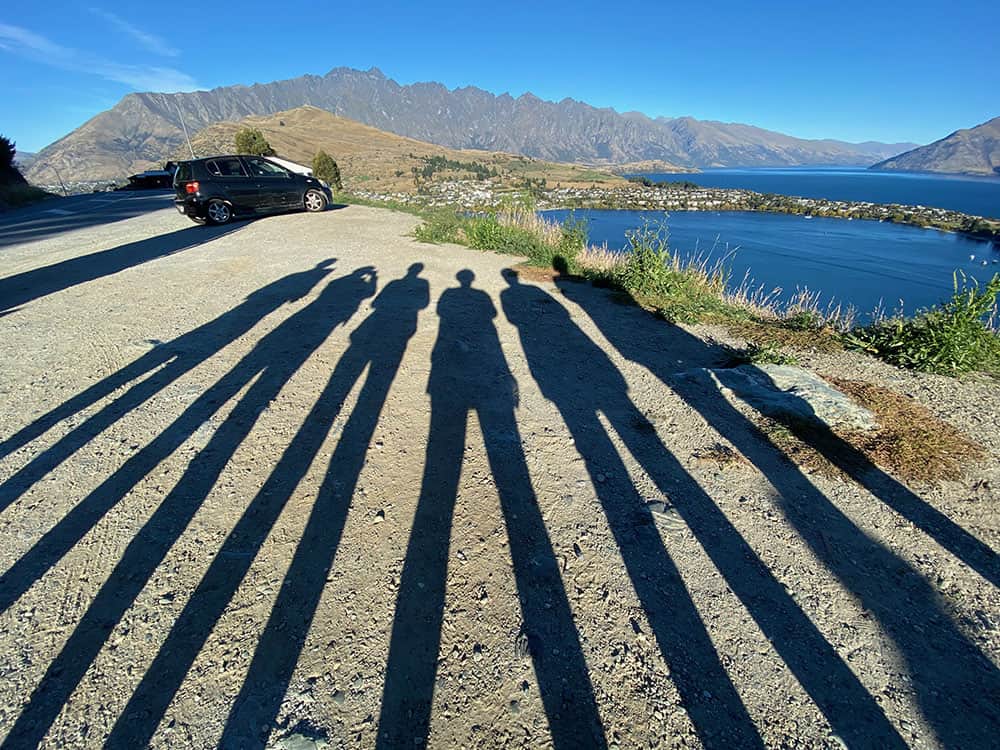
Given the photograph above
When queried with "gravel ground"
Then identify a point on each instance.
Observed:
(306, 482)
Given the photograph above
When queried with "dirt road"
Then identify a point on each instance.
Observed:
(306, 482)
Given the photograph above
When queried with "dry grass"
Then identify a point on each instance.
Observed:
(372, 159)
(720, 456)
(910, 443)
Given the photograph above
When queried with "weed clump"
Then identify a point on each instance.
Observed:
(952, 338)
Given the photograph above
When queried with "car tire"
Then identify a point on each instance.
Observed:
(314, 201)
(218, 212)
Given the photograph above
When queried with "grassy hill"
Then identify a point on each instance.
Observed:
(374, 159)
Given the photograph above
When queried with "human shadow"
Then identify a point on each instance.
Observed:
(21, 288)
(56, 215)
(167, 362)
(953, 681)
(263, 371)
(378, 344)
(583, 382)
(469, 373)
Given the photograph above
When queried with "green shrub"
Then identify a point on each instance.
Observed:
(761, 354)
(951, 338)
(677, 291)
(252, 141)
(440, 226)
(325, 168)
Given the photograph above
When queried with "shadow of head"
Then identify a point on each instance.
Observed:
(465, 277)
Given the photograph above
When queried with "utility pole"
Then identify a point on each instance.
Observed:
(184, 127)
(59, 177)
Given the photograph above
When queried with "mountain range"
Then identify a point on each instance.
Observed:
(968, 151)
(142, 129)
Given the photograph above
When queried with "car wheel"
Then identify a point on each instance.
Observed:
(218, 212)
(314, 201)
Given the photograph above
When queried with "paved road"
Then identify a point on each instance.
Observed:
(57, 215)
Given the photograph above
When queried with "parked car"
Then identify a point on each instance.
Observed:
(218, 188)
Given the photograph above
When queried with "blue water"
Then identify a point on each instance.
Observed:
(979, 196)
(859, 263)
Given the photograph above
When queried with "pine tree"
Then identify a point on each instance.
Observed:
(325, 168)
(252, 141)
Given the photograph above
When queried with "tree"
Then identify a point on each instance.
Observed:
(252, 141)
(9, 172)
(325, 168)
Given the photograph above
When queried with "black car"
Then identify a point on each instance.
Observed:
(217, 188)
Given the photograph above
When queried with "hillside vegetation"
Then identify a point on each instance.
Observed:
(374, 159)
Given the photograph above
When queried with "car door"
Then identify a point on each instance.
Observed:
(273, 181)
(234, 183)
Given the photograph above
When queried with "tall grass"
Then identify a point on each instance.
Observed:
(956, 336)
(516, 228)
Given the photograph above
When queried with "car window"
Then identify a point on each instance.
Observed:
(226, 168)
(264, 168)
(183, 172)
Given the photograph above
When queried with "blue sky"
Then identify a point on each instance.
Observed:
(911, 71)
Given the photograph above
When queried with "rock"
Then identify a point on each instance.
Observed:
(792, 392)
(298, 741)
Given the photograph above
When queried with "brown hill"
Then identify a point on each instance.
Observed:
(968, 151)
(374, 159)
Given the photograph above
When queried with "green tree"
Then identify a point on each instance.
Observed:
(325, 168)
(9, 172)
(252, 141)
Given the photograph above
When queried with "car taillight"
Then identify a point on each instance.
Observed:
(191, 188)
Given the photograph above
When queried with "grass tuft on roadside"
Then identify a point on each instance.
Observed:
(910, 443)
(954, 337)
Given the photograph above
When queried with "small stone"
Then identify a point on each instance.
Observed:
(339, 697)
(515, 707)
(477, 652)
(576, 550)
(379, 516)
(601, 478)
(521, 649)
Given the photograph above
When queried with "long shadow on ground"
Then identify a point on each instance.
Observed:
(582, 381)
(378, 345)
(266, 369)
(164, 364)
(54, 216)
(469, 373)
(957, 687)
(22, 288)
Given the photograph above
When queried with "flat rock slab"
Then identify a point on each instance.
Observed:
(792, 392)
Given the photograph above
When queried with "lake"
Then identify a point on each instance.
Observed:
(973, 195)
(860, 263)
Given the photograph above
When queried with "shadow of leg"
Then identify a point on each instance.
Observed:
(554, 644)
(404, 720)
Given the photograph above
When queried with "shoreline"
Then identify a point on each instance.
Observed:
(685, 196)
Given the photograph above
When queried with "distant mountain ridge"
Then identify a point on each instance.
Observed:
(143, 128)
(968, 151)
